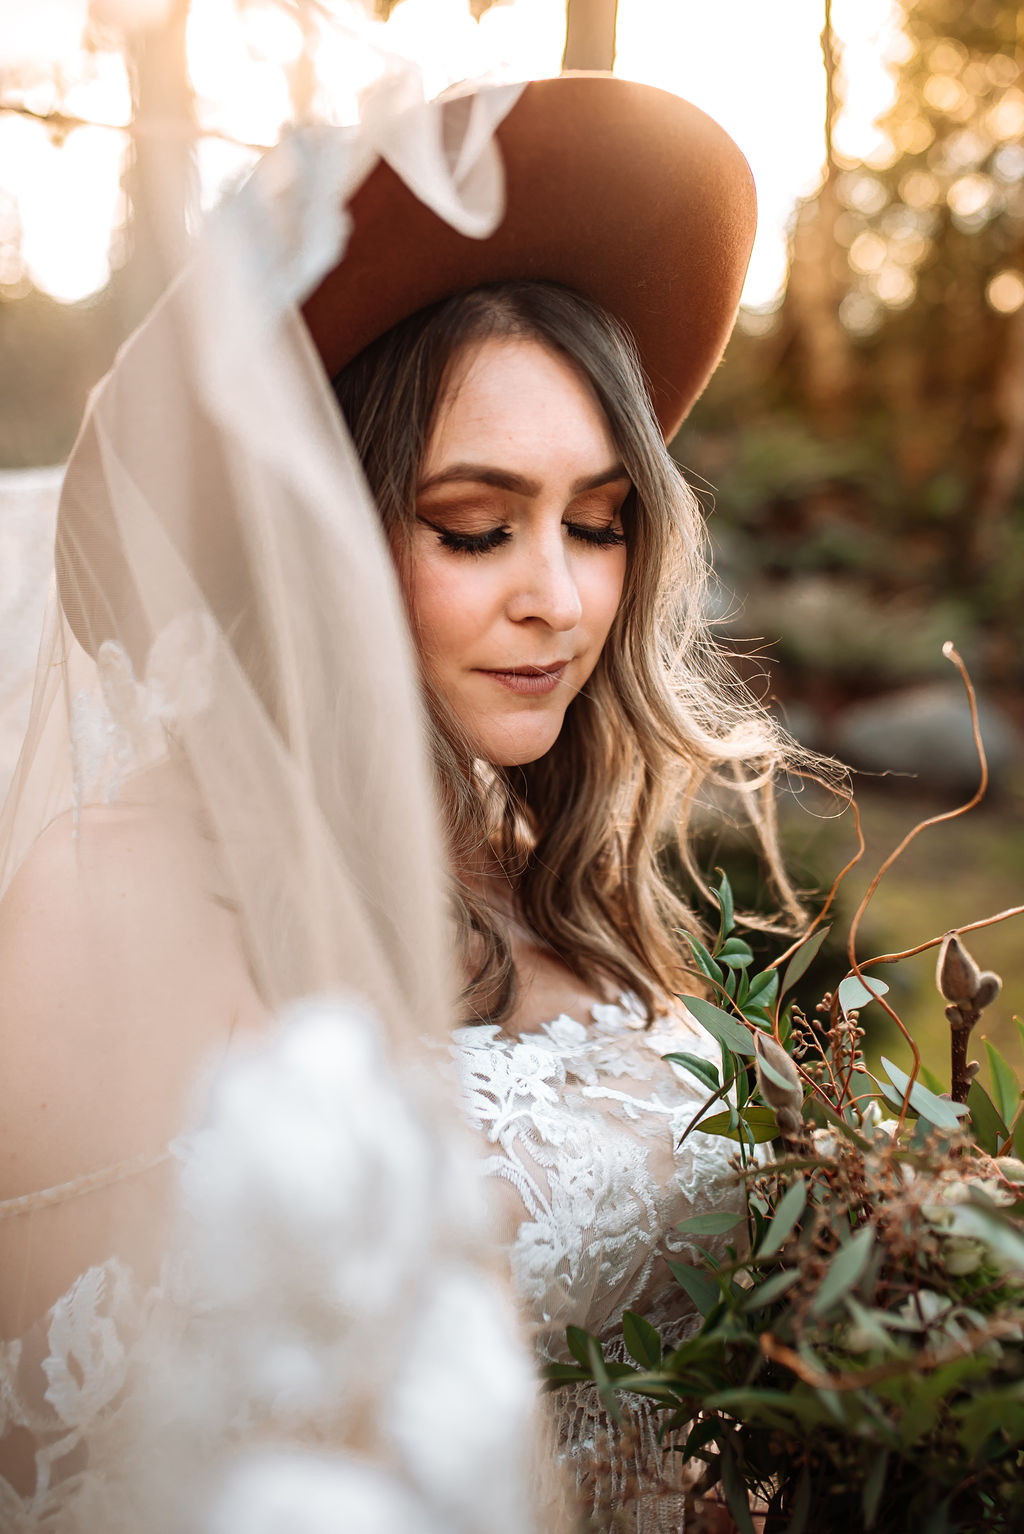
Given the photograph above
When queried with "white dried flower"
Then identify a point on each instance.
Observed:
(921, 1309)
(872, 1122)
(961, 1255)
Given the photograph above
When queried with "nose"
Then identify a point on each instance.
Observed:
(545, 586)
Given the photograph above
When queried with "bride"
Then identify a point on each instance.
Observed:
(240, 786)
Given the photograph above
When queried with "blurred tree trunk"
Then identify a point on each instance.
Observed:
(816, 281)
(590, 34)
(160, 181)
(1002, 475)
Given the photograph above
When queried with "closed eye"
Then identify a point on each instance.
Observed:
(494, 537)
(471, 543)
(599, 537)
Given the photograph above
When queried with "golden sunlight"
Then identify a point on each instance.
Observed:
(757, 69)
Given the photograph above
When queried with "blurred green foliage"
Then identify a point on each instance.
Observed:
(873, 433)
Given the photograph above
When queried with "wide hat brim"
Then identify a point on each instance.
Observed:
(628, 194)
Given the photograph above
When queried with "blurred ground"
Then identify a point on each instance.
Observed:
(953, 874)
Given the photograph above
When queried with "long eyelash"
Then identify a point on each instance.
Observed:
(472, 543)
(603, 537)
(483, 543)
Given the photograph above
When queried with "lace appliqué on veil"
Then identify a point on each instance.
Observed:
(121, 723)
(61, 1389)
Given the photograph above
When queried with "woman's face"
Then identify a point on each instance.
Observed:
(518, 558)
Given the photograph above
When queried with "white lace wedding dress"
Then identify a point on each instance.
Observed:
(581, 1124)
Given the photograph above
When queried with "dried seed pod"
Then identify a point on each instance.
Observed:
(789, 1121)
(956, 974)
(989, 986)
(778, 1079)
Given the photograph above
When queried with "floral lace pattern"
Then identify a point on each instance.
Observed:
(582, 1126)
(62, 1389)
(123, 725)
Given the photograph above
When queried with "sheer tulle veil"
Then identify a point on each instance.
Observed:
(223, 943)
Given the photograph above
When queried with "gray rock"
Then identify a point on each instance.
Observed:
(925, 732)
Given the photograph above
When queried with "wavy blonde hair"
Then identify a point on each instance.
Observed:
(584, 834)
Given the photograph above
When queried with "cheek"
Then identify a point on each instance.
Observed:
(605, 583)
(446, 607)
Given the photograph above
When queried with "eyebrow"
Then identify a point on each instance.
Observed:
(517, 484)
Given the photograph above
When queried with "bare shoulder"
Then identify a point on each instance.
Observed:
(121, 972)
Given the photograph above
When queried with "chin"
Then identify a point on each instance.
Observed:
(517, 748)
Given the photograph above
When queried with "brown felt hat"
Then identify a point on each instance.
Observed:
(631, 196)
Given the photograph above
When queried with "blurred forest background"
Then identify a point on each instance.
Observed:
(861, 448)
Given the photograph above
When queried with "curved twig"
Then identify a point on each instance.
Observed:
(949, 650)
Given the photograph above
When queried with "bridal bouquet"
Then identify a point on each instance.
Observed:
(860, 1362)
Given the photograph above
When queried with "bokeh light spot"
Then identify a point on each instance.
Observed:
(1005, 293)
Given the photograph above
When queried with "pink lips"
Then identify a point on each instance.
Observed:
(533, 681)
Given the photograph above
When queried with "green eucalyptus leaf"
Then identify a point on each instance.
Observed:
(736, 1495)
(943, 1114)
(844, 1271)
(602, 1381)
(706, 1430)
(620, 1371)
(712, 1261)
(989, 1130)
(760, 1016)
(1006, 1092)
(804, 957)
(931, 1081)
(862, 1088)
(705, 963)
(788, 1211)
(801, 1504)
(697, 1066)
(874, 1485)
(854, 993)
(714, 1223)
(721, 1025)
(773, 1288)
(838, 1122)
(764, 988)
(735, 953)
(759, 1120)
(577, 1341)
(642, 1340)
(703, 1291)
(998, 1410)
(563, 1374)
(723, 895)
(1002, 1236)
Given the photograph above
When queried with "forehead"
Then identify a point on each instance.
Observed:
(511, 395)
